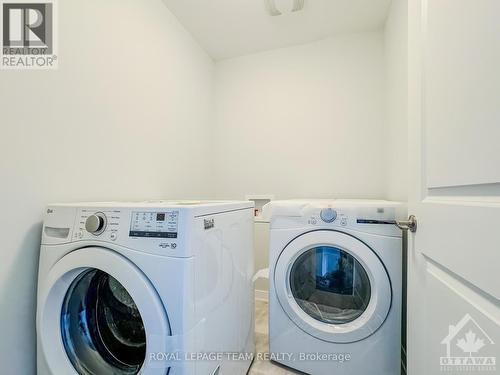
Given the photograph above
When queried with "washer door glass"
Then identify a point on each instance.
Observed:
(330, 285)
(102, 329)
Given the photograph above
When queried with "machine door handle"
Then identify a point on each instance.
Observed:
(410, 224)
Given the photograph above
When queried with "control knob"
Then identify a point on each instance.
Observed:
(96, 223)
(328, 215)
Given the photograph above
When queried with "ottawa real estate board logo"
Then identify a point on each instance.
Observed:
(469, 348)
(28, 35)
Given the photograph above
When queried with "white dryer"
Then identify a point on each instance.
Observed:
(150, 288)
(335, 286)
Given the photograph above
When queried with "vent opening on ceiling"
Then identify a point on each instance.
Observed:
(277, 10)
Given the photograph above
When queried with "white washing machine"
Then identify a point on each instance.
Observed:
(335, 286)
(150, 288)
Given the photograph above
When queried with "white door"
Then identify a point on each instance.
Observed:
(454, 137)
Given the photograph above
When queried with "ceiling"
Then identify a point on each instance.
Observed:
(230, 28)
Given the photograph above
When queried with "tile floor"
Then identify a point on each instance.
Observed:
(263, 367)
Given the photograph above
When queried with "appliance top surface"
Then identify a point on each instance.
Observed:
(212, 205)
(297, 207)
(335, 201)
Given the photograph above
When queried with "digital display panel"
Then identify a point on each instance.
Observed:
(154, 224)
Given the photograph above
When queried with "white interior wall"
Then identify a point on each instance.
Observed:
(305, 121)
(126, 116)
(396, 70)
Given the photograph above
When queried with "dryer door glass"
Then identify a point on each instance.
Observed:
(102, 329)
(330, 285)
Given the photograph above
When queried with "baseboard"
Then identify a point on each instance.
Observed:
(262, 295)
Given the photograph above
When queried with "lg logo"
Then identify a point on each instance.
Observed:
(28, 35)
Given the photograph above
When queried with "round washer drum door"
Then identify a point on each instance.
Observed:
(332, 286)
(124, 287)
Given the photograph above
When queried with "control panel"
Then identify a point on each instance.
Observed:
(152, 230)
(327, 215)
(102, 224)
(111, 225)
(154, 224)
(358, 215)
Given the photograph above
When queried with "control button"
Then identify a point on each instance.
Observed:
(113, 236)
(96, 223)
(79, 234)
(328, 215)
(343, 221)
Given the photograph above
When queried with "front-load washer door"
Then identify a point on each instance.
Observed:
(101, 315)
(333, 286)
